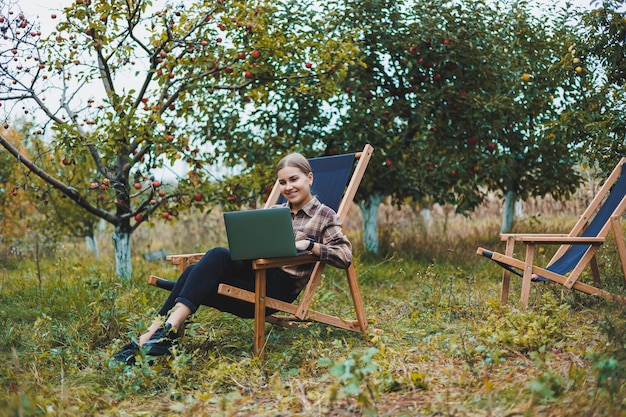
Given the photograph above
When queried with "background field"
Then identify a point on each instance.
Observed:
(439, 343)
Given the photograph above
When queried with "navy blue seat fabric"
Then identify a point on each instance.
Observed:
(330, 178)
(570, 259)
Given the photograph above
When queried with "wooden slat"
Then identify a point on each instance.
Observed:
(506, 274)
(528, 270)
(278, 262)
(356, 298)
(619, 242)
(231, 291)
(516, 263)
(259, 314)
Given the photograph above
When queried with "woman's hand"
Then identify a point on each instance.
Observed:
(302, 245)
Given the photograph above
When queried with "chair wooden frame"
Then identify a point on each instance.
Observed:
(528, 270)
(296, 312)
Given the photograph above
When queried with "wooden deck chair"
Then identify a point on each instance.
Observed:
(578, 248)
(331, 186)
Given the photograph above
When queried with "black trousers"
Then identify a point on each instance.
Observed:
(198, 284)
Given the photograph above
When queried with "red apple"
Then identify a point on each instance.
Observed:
(471, 141)
(138, 217)
(137, 185)
(249, 74)
(197, 197)
(308, 65)
(255, 54)
(156, 183)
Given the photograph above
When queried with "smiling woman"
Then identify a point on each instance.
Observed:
(317, 229)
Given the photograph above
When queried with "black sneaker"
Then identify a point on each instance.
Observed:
(161, 341)
(127, 354)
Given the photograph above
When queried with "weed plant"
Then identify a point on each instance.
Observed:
(439, 342)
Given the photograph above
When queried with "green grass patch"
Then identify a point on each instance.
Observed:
(439, 343)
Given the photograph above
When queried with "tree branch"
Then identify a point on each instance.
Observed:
(71, 192)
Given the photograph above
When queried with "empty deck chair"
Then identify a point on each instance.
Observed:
(578, 248)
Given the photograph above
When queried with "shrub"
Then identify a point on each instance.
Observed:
(528, 330)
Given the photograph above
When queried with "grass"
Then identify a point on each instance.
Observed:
(439, 342)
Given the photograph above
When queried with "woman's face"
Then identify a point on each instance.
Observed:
(295, 186)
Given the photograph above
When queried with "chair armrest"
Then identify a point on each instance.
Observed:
(188, 257)
(289, 260)
(565, 240)
(522, 236)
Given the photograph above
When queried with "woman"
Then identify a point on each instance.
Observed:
(316, 228)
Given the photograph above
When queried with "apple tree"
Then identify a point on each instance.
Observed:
(457, 101)
(131, 89)
(596, 65)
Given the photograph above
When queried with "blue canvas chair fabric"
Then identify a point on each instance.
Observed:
(335, 182)
(331, 175)
(578, 248)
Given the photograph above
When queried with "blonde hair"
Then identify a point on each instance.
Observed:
(295, 160)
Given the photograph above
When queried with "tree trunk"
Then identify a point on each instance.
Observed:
(123, 262)
(91, 243)
(369, 211)
(508, 216)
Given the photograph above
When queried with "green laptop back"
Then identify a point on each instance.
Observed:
(264, 233)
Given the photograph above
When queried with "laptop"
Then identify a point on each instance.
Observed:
(263, 233)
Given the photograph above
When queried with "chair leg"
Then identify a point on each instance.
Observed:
(528, 273)
(619, 242)
(259, 313)
(356, 297)
(506, 274)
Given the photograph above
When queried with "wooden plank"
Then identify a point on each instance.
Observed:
(506, 274)
(356, 298)
(259, 313)
(352, 325)
(278, 262)
(309, 290)
(528, 271)
(565, 239)
(248, 296)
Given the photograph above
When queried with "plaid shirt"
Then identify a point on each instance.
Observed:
(320, 222)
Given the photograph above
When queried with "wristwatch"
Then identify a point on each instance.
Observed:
(311, 243)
